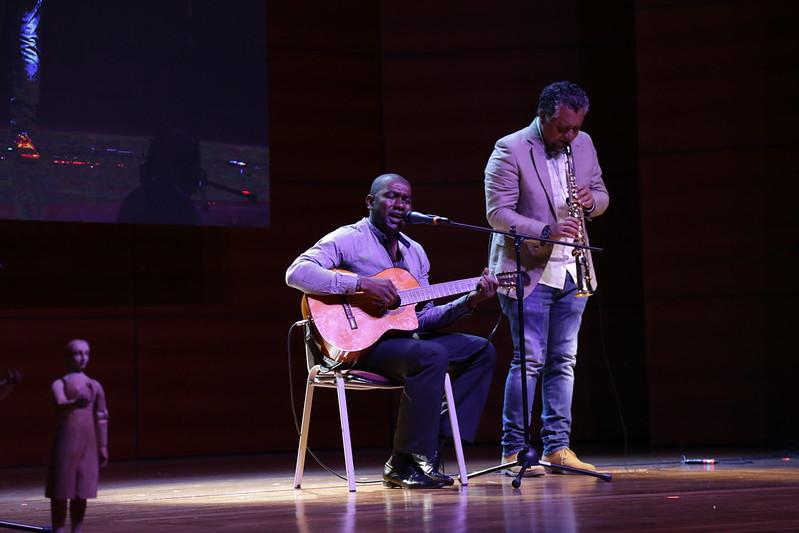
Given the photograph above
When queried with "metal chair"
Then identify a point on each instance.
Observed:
(320, 376)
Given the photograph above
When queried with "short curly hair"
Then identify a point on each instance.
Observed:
(559, 94)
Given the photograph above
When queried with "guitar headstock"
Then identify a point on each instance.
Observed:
(508, 279)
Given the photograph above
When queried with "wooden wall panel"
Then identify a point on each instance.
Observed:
(454, 27)
(456, 78)
(76, 266)
(692, 245)
(193, 402)
(715, 83)
(444, 111)
(706, 381)
(716, 75)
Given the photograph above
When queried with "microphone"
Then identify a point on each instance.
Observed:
(415, 217)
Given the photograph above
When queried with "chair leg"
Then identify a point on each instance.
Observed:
(456, 430)
(345, 431)
(306, 422)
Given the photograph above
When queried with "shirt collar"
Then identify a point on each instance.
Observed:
(383, 238)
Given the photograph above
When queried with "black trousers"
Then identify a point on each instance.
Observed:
(421, 363)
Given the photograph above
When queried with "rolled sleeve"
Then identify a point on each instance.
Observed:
(312, 272)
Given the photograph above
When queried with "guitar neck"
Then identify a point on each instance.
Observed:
(437, 290)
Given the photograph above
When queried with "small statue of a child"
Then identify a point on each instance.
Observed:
(81, 440)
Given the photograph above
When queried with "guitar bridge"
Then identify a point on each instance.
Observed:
(348, 313)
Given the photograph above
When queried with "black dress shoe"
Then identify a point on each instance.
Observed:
(402, 472)
(431, 465)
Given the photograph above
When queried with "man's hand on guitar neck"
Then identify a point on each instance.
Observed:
(486, 289)
(382, 290)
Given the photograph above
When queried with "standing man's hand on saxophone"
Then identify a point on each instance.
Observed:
(569, 227)
(585, 197)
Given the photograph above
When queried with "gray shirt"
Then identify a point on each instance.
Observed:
(359, 249)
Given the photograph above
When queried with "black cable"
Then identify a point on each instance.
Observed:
(612, 380)
(494, 329)
(296, 418)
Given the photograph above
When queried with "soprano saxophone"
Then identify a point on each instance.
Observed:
(584, 277)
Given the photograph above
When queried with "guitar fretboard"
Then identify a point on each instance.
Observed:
(437, 290)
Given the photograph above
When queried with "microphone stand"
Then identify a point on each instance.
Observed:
(23, 527)
(527, 457)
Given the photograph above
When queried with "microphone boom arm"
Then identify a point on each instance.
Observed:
(414, 217)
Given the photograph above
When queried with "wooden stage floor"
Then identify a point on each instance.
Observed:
(750, 491)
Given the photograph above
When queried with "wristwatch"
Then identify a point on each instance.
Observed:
(546, 232)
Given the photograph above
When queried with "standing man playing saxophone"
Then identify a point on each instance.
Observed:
(526, 186)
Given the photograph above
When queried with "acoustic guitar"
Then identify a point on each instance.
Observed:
(346, 326)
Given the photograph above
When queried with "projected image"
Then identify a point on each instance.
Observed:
(150, 112)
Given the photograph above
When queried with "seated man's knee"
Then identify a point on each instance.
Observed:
(432, 358)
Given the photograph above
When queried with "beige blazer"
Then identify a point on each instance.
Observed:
(519, 193)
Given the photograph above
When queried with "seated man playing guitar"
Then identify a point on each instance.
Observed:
(419, 359)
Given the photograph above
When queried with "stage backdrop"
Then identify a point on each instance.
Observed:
(188, 325)
(716, 86)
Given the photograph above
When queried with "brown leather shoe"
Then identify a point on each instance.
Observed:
(565, 457)
(513, 471)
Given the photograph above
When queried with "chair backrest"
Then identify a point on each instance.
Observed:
(313, 353)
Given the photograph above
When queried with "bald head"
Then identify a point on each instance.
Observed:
(383, 180)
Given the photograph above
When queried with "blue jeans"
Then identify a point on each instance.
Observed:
(552, 321)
